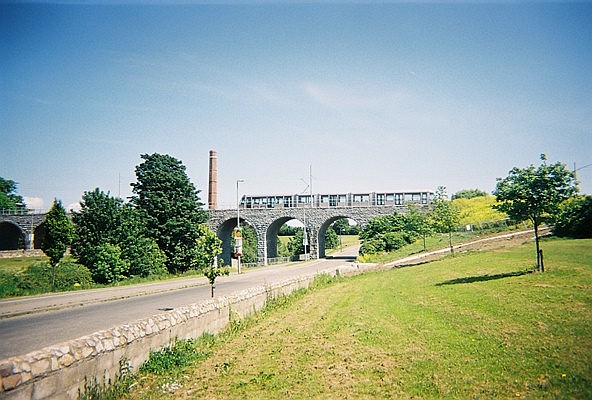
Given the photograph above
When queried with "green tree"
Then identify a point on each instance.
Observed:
(98, 222)
(170, 207)
(418, 222)
(331, 238)
(58, 235)
(141, 252)
(385, 233)
(105, 220)
(296, 245)
(108, 265)
(383, 224)
(574, 218)
(444, 218)
(342, 227)
(9, 200)
(535, 193)
(209, 246)
(468, 194)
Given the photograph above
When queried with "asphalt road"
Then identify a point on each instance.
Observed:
(31, 323)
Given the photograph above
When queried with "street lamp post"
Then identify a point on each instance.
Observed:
(238, 225)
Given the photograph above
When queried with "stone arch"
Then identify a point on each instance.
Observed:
(271, 236)
(12, 236)
(38, 236)
(224, 233)
(323, 230)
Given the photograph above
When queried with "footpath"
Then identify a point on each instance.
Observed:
(509, 239)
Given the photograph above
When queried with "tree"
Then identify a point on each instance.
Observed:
(574, 218)
(331, 238)
(296, 245)
(58, 236)
(108, 265)
(445, 217)
(385, 233)
(9, 200)
(535, 193)
(170, 207)
(342, 227)
(468, 194)
(206, 253)
(98, 222)
(208, 246)
(105, 221)
(418, 221)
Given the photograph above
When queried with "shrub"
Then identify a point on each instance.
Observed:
(109, 267)
(394, 241)
(372, 246)
(144, 257)
(575, 218)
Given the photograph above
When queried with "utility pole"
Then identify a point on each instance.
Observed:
(238, 240)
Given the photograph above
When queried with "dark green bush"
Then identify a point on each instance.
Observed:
(372, 246)
(575, 218)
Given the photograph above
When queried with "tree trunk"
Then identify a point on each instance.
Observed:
(53, 270)
(538, 247)
(450, 242)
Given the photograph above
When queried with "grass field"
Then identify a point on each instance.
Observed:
(478, 325)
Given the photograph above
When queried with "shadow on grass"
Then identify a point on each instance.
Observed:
(483, 278)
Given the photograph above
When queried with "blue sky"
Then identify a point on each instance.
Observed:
(375, 97)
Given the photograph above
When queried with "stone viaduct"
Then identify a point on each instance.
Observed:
(21, 230)
(18, 231)
(267, 222)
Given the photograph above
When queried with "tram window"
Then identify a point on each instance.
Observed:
(332, 201)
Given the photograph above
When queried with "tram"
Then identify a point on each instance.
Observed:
(421, 198)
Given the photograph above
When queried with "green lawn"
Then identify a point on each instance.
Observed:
(474, 326)
(18, 264)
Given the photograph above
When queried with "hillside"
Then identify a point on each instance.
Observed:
(478, 325)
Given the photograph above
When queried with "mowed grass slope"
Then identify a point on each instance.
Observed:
(473, 326)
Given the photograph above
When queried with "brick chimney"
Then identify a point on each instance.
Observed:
(213, 181)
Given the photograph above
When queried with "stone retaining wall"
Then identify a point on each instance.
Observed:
(59, 371)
